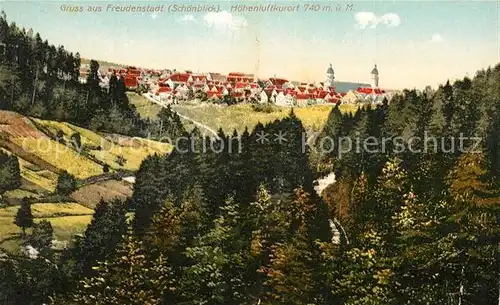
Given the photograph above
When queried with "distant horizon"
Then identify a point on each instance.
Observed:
(414, 44)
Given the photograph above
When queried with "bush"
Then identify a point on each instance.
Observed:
(76, 141)
(121, 160)
(66, 184)
(10, 173)
(42, 235)
(60, 136)
(266, 108)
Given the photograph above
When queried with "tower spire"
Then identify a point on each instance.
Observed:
(374, 74)
(330, 77)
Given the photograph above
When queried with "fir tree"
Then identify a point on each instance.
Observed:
(24, 216)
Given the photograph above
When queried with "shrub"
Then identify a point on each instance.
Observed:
(66, 184)
(60, 136)
(266, 108)
(76, 141)
(121, 160)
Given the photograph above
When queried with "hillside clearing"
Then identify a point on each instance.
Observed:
(90, 195)
(67, 219)
(145, 108)
(237, 117)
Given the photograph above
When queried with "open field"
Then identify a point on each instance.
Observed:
(60, 156)
(90, 195)
(42, 159)
(107, 148)
(240, 116)
(145, 108)
(236, 116)
(67, 219)
(40, 177)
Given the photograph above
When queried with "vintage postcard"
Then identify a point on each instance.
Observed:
(249, 152)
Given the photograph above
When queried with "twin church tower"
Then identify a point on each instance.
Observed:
(330, 77)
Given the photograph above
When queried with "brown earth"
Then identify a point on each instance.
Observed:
(90, 195)
(16, 126)
(21, 153)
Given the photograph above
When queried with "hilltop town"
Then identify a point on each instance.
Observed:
(171, 86)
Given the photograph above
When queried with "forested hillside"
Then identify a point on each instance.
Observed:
(40, 80)
(245, 226)
(237, 220)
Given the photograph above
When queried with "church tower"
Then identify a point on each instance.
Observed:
(375, 77)
(330, 77)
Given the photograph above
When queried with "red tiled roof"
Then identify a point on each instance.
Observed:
(163, 89)
(212, 94)
(237, 94)
(278, 81)
(179, 77)
(131, 81)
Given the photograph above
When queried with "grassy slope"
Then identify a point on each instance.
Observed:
(240, 116)
(99, 149)
(67, 219)
(41, 159)
(145, 108)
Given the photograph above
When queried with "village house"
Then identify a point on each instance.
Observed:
(263, 98)
(242, 86)
(237, 77)
(216, 77)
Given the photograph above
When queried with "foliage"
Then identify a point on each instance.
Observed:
(10, 175)
(66, 184)
(100, 238)
(24, 217)
(267, 108)
(76, 141)
(131, 277)
(42, 236)
(120, 160)
(234, 220)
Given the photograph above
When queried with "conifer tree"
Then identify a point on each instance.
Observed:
(24, 216)
(130, 277)
(215, 273)
(101, 236)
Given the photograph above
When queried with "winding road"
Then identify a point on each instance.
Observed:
(201, 125)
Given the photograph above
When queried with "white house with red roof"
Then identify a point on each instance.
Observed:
(237, 77)
(217, 77)
(277, 82)
(179, 79)
(263, 98)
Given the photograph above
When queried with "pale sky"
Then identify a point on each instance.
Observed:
(413, 43)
